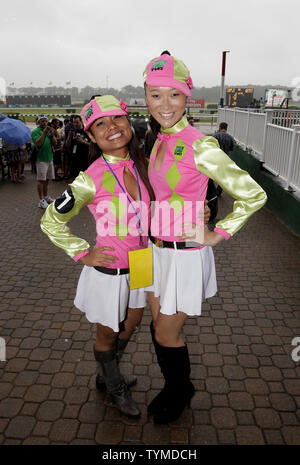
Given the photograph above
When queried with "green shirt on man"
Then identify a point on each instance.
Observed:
(44, 153)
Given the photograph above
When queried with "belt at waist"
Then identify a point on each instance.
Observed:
(112, 271)
(170, 244)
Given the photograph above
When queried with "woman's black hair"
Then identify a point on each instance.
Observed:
(137, 156)
(166, 52)
(94, 96)
(154, 125)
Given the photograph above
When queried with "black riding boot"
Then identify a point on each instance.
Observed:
(129, 380)
(178, 389)
(174, 363)
(117, 392)
(156, 404)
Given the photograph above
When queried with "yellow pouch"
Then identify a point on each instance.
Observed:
(140, 268)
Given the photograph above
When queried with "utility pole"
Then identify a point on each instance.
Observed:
(223, 78)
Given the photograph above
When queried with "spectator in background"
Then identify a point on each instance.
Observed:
(44, 139)
(33, 152)
(226, 143)
(57, 161)
(78, 144)
(66, 151)
(60, 129)
(15, 156)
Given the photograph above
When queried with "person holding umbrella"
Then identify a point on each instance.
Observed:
(16, 157)
(44, 139)
(15, 134)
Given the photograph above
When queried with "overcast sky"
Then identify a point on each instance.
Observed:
(95, 42)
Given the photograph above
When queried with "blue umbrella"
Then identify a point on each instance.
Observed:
(14, 131)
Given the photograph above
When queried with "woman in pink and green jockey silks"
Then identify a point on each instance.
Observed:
(181, 162)
(117, 192)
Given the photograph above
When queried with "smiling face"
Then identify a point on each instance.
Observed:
(112, 134)
(165, 104)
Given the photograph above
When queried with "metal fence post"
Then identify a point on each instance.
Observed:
(292, 156)
(219, 115)
(247, 129)
(234, 118)
(268, 119)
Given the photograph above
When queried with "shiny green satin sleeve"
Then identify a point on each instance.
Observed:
(249, 196)
(54, 221)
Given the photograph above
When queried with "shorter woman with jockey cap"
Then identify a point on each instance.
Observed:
(116, 190)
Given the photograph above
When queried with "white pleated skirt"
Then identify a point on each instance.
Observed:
(105, 298)
(183, 279)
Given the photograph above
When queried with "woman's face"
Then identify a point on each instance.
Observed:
(165, 104)
(112, 134)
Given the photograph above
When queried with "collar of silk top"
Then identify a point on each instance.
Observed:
(117, 160)
(179, 126)
(113, 159)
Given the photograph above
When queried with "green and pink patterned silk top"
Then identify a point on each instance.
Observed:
(116, 214)
(191, 158)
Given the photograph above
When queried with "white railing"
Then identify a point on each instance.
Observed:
(286, 118)
(278, 142)
(246, 127)
(294, 181)
(276, 145)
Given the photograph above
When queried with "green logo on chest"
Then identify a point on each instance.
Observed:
(179, 150)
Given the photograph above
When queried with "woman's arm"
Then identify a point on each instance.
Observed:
(54, 221)
(249, 196)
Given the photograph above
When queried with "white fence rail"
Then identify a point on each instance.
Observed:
(286, 118)
(269, 138)
(278, 142)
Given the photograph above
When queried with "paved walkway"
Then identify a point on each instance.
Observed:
(248, 389)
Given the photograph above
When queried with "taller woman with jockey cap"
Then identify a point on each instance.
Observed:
(117, 192)
(181, 162)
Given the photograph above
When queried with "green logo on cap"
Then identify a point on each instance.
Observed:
(158, 65)
(88, 112)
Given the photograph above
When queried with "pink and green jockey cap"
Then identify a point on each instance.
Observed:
(168, 71)
(106, 105)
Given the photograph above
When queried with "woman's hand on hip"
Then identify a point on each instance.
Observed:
(206, 214)
(200, 234)
(97, 257)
